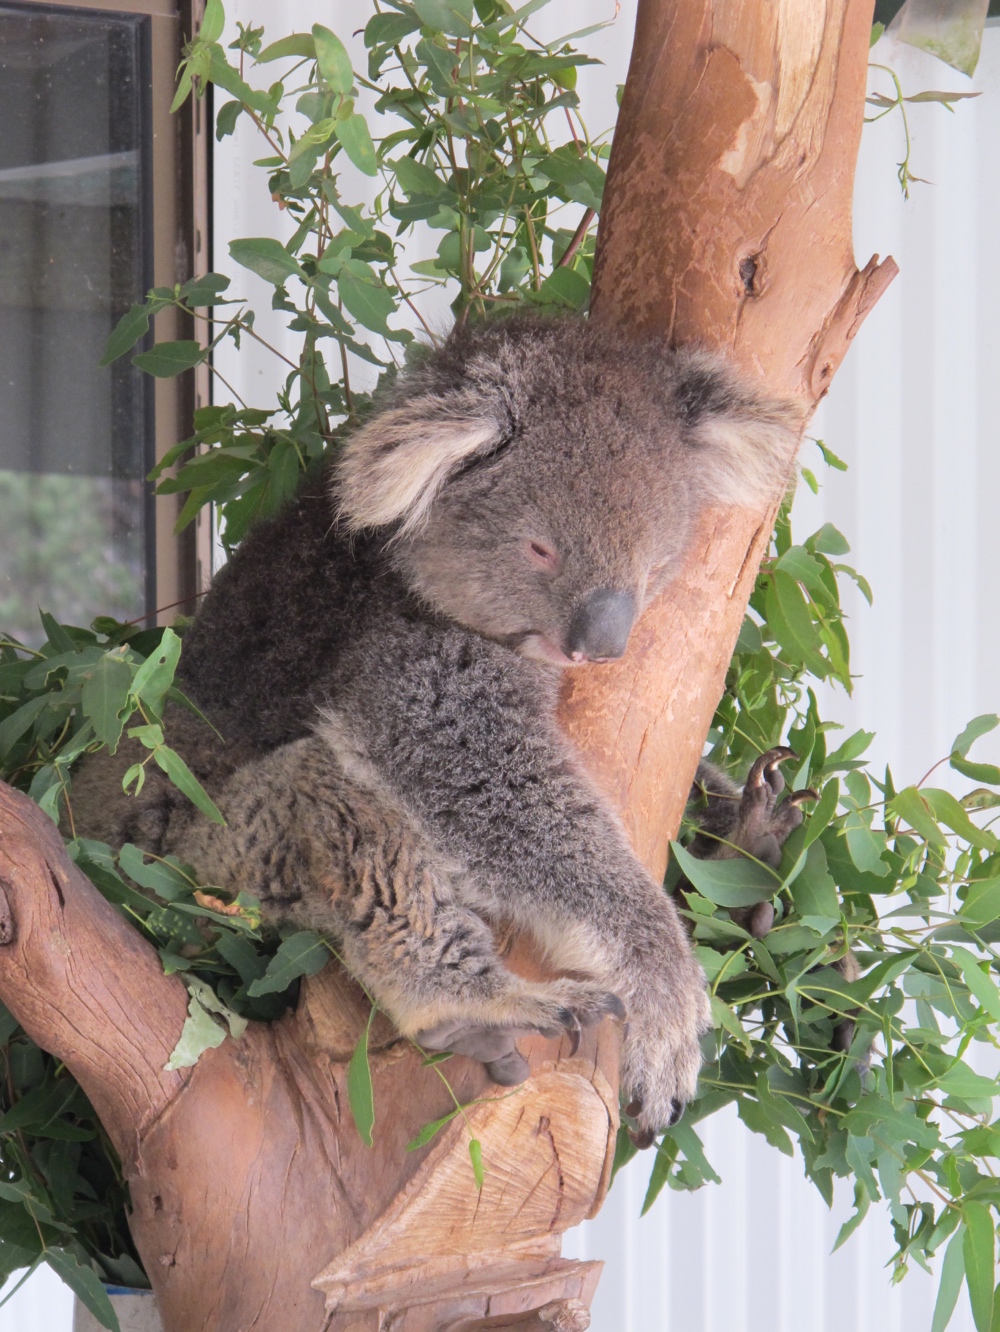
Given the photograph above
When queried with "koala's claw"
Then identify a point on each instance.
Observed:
(645, 1137)
(494, 1044)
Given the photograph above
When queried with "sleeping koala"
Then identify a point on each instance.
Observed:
(384, 660)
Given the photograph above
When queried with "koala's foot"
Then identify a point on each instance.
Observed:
(553, 1009)
(662, 1053)
(763, 824)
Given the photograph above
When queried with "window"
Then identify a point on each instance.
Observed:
(99, 200)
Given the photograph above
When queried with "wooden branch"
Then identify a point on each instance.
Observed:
(76, 976)
(727, 222)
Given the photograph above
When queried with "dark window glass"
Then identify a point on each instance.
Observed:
(75, 438)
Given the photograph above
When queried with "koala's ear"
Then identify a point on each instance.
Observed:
(747, 442)
(391, 469)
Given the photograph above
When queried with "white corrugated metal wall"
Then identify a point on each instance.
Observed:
(915, 410)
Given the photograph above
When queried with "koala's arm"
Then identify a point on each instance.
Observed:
(337, 852)
(465, 742)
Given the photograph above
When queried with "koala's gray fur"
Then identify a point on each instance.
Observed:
(389, 648)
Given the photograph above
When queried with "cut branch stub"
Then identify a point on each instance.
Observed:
(726, 222)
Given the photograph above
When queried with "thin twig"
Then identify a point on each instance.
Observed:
(578, 238)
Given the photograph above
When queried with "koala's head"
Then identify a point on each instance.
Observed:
(537, 480)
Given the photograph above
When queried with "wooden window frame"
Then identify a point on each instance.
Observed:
(181, 248)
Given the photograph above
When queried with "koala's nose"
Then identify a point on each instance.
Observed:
(600, 626)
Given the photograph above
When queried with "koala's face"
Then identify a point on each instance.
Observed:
(543, 478)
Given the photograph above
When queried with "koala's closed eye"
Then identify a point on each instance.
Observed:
(542, 556)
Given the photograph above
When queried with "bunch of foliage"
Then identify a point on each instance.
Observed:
(484, 155)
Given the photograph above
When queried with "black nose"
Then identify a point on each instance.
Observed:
(600, 626)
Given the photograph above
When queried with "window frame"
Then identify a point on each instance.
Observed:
(179, 164)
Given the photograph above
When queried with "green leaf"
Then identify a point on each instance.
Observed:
(952, 1276)
(300, 44)
(185, 780)
(369, 304)
(213, 23)
(578, 178)
(226, 118)
(266, 257)
(982, 725)
(862, 1201)
(822, 816)
(419, 181)
(980, 982)
(666, 1155)
(813, 889)
(301, 954)
(356, 139)
(476, 1157)
(791, 623)
(204, 290)
(388, 29)
(200, 1032)
(829, 541)
(83, 1281)
(976, 772)
(105, 696)
(948, 811)
(430, 1130)
(167, 359)
(156, 674)
(865, 847)
(727, 883)
(360, 1092)
(12, 728)
(127, 332)
(451, 16)
(564, 287)
(333, 60)
(910, 805)
(979, 1249)
(163, 875)
(982, 904)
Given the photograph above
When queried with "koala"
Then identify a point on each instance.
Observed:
(385, 658)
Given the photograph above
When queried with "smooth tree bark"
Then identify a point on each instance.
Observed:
(727, 221)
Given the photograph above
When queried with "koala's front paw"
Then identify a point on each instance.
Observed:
(662, 1054)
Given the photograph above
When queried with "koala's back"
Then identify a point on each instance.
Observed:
(278, 619)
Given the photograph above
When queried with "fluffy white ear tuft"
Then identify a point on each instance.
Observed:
(747, 443)
(391, 469)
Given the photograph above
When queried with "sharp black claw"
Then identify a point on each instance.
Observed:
(767, 764)
(800, 797)
(614, 1007)
(676, 1111)
(574, 1031)
(642, 1138)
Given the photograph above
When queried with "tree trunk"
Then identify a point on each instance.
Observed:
(727, 220)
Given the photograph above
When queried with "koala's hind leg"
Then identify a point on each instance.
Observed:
(338, 853)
